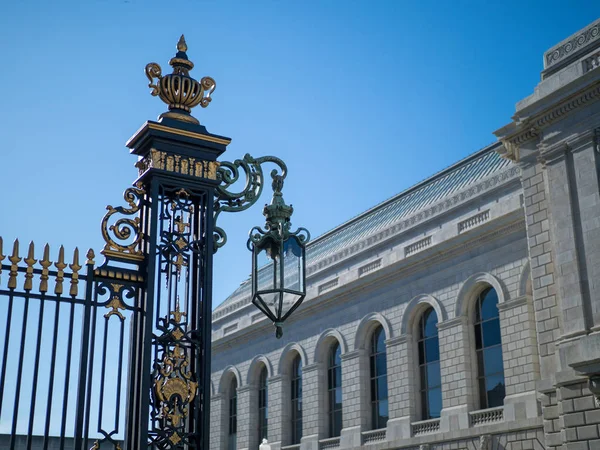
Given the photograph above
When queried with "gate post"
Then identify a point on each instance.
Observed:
(171, 359)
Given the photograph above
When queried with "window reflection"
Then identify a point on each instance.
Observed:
(488, 345)
(263, 405)
(296, 400)
(232, 428)
(429, 366)
(379, 389)
(334, 390)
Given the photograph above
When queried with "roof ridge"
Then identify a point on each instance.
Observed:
(405, 192)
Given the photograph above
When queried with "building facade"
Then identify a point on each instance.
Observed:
(463, 313)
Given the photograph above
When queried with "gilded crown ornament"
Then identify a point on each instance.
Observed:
(178, 90)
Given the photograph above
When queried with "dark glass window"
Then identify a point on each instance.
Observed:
(490, 369)
(334, 390)
(296, 400)
(429, 366)
(379, 389)
(263, 412)
(232, 428)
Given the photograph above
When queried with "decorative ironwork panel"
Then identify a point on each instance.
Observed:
(180, 253)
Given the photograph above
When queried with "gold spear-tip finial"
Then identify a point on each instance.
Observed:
(181, 45)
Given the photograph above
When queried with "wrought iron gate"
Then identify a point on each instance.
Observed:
(117, 355)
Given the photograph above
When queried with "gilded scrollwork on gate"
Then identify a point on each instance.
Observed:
(123, 236)
(175, 386)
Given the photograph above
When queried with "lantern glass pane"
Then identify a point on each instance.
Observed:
(293, 266)
(268, 272)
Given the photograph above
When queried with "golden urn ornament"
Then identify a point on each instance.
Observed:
(178, 90)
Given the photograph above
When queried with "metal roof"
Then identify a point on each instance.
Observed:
(445, 183)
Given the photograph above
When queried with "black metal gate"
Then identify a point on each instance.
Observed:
(117, 355)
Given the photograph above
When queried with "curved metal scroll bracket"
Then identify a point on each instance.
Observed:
(123, 236)
(229, 201)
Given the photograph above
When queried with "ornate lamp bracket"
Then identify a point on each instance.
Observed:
(230, 173)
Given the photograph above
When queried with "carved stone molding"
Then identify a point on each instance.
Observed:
(531, 128)
(571, 46)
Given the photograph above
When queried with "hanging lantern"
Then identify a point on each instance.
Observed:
(278, 260)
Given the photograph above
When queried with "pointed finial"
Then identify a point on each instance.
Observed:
(14, 259)
(90, 256)
(29, 273)
(45, 263)
(181, 45)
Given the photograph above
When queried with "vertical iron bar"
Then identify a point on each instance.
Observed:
(5, 350)
(90, 376)
(132, 422)
(132, 405)
(51, 378)
(85, 341)
(63, 425)
(206, 325)
(102, 374)
(35, 372)
(19, 374)
(120, 375)
(146, 334)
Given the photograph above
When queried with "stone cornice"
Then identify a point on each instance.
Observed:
(486, 185)
(530, 128)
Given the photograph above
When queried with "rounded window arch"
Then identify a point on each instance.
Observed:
(430, 380)
(334, 389)
(232, 415)
(263, 404)
(488, 349)
(378, 373)
(296, 399)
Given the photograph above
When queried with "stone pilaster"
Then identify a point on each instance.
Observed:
(542, 256)
(311, 405)
(355, 394)
(278, 411)
(586, 166)
(402, 386)
(456, 356)
(217, 423)
(520, 358)
(561, 190)
(244, 414)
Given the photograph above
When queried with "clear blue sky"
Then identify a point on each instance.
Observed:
(361, 98)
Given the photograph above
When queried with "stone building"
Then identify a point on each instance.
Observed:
(463, 313)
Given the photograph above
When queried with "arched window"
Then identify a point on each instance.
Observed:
(334, 390)
(429, 366)
(488, 345)
(232, 428)
(379, 388)
(296, 400)
(262, 405)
